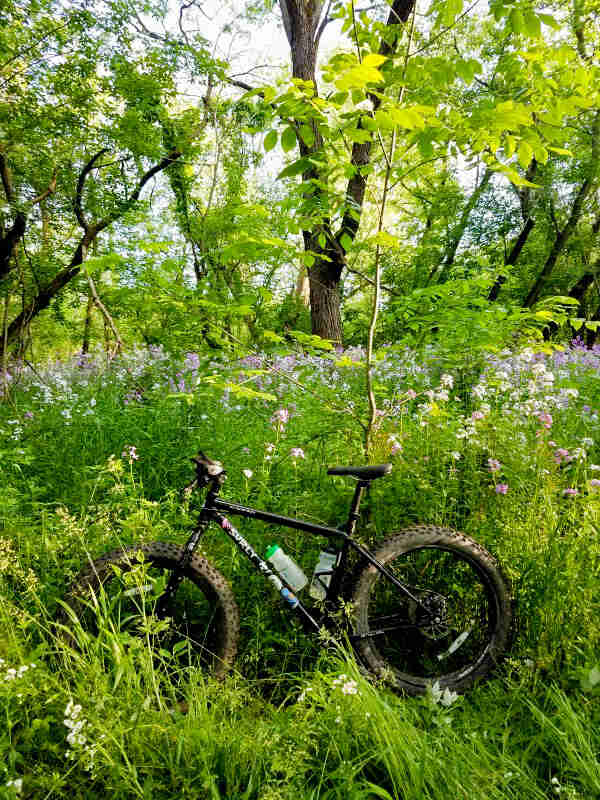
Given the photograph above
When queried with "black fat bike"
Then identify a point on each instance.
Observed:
(428, 605)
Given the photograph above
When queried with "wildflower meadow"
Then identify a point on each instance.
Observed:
(95, 455)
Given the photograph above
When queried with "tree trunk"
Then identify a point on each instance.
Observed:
(43, 298)
(511, 260)
(459, 230)
(91, 230)
(325, 306)
(582, 285)
(9, 242)
(85, 346)
(563, 236)
(303, 27)
(303, 287)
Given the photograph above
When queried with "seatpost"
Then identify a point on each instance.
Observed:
(353, 516)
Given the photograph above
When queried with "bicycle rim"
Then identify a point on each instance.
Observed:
(444, 637)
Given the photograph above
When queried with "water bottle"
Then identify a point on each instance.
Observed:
(286, 567)
(322, 575)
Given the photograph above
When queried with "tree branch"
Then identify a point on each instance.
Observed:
(80, 184)
(6, 178)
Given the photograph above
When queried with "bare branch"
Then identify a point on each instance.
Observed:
(107, 317)
(80, 184)
(323, 24)
(49, 190)
(366, 278)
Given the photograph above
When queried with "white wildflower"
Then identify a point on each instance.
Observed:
(448, 697)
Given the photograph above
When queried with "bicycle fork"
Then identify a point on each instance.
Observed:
(163, 605)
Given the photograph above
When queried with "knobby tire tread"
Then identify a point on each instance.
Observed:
(166, 555)
(413, 538)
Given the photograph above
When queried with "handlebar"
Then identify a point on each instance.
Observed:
(207, 471)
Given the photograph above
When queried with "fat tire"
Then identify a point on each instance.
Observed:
(164, 555)
(415, 538)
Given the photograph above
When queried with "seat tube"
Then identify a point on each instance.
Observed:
(354, 508)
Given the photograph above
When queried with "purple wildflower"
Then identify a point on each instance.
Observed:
(494, 465)
(280, 419)
(501, 488)
(570, 492)
(130, 452)
(561, 455)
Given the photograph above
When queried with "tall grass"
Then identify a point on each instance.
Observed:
(282, 725)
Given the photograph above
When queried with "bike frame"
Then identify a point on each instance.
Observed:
(211, 512)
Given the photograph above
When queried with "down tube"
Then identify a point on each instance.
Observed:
(262, 566)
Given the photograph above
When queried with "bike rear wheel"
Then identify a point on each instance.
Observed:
(457, 631)
(116, 595)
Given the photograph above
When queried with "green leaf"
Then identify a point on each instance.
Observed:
(339, 98)
(517, 21)
(346, 242)
(384, 239)
(288, 139)
(533, 25)
(514, 177)
(307, 135)
(373, 60)
(272, 336)
(310, 340)
(246, 393)
(450, 10)
(295, 168)
(407, 117)
(561, 151)
(357, 135)
(524, 154)
(270, 140)
(358, 77)
(549, 20)
(591, 680)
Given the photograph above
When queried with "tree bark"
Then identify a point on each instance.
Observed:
(512, 257)
(87, 328)
(9, 242)
(325, 305)
(578, 291)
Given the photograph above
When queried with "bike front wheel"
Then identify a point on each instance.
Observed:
(453, 630)
(117, 596)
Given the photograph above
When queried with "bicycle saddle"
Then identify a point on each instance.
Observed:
(363, 473)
